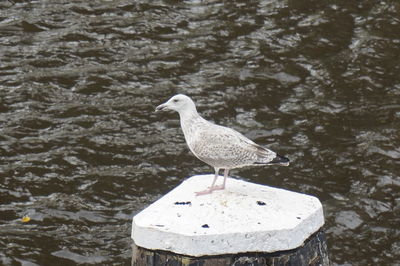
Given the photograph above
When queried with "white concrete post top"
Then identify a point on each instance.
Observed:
(245, 217)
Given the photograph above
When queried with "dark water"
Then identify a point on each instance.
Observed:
(81, 150)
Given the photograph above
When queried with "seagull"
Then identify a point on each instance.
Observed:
(218, 146)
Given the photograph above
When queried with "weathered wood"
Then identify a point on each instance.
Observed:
(313, 252)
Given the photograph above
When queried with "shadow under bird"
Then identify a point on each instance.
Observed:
(218, 146)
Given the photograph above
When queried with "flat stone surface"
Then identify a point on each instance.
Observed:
(245, 217)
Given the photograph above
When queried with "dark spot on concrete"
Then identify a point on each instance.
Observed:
(183, 203)
(205, 226)
(261, 203)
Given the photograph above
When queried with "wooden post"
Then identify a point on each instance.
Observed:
(314, 252)
(246, 224)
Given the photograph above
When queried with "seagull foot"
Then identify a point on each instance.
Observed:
(210, 190)
(204, 192)
(221, 187)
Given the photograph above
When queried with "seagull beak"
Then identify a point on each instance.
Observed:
(161, 107)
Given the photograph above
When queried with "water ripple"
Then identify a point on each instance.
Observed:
(82, 150)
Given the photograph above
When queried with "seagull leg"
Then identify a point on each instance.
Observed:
(212, 188)
(222, 187)
(215, 178)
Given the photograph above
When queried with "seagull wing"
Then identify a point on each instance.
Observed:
(226, 148)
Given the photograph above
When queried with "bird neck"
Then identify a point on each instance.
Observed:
(190, 113)
(189, 120)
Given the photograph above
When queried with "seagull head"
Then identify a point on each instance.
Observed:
(179, 103)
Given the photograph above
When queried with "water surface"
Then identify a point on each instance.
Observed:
(81, 150)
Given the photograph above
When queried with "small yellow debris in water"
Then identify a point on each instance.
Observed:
(26, 219)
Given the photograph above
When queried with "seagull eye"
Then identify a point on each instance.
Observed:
(175, 100)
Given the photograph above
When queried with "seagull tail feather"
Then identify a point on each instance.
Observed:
(277, 160)
(280, 160)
